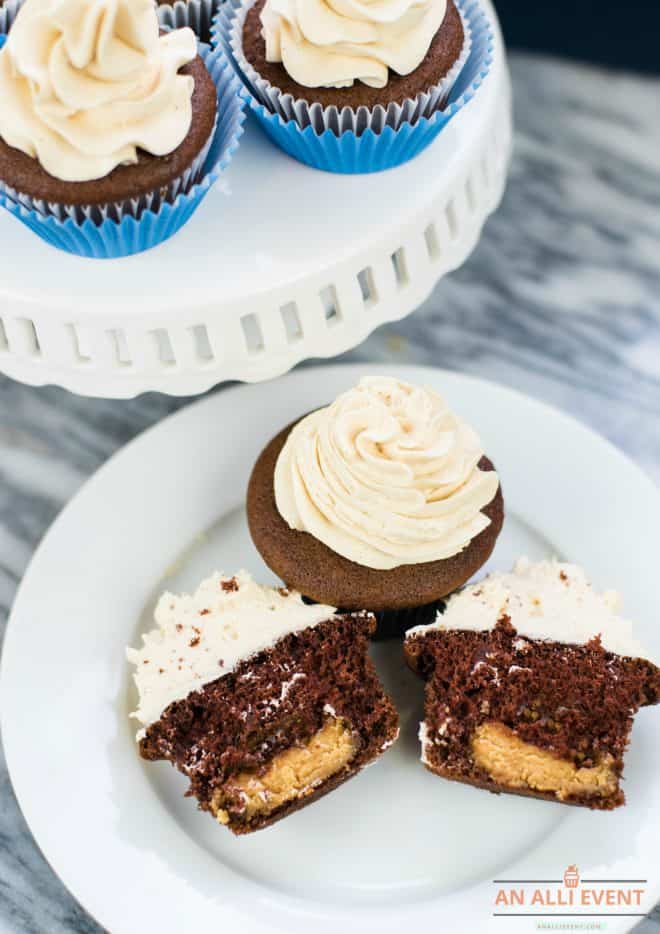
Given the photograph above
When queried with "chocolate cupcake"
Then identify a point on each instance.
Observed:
(532, 682)
(264, 703)
(371, 60)
(128, 129)
(382, 501)
(350, 87)
(88, 145)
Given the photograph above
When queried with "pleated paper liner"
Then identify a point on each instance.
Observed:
(197, 14)
(115, 230)
(8, 13)
(363, 140)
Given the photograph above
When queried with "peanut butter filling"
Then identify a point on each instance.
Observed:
(292, 774)
(515, 764)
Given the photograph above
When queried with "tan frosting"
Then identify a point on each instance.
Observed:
(333, 43)
(548, 600)
(202, 636)
(86, 83)
(385, 476)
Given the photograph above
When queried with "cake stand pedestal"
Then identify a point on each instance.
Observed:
(280, 263)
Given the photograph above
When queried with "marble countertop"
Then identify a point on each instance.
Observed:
(561, 300)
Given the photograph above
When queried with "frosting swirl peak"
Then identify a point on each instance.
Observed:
(385, 476)
(86, 83)
(333, 43)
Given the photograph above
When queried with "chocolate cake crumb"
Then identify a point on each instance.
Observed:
(494, 691)
(230, 586)
(313, 703)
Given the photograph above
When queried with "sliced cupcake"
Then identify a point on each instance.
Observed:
(264, 702)
(532, 683)
(384, 500)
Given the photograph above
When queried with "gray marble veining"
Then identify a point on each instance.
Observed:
(561, 300)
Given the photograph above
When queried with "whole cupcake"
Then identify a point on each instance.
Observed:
(354, 54)
(383, 501)
(345, 85)
(102, 117)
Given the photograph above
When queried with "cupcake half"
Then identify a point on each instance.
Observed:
(384, 500)
(263, 702)
(119, 128)
(354, 87)
(532, 683)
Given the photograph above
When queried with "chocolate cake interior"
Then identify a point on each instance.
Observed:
(282, 728)
(532, 717)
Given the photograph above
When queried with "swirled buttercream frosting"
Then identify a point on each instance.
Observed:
(385, 476)
(334, 43)
(204, 635)
(547, 600)
(88, 83)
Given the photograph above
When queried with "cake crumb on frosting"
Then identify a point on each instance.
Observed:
(240, 618)
(547, 600)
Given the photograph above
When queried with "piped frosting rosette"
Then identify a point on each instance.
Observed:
(386, 476)
(84, 94)
(360, 140)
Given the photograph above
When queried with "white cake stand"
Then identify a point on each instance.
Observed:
(280, 263)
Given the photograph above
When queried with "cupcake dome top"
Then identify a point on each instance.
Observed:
(87, 83)
(202, 636)
(549, 600)
(334, 43)
(385, 476)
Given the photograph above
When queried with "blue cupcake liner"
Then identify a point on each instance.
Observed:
(113, 238)
(339, 150)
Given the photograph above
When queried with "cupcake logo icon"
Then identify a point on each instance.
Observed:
(571, 877)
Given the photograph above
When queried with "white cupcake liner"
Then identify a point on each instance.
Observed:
(8, 13)
(117, 210)
(344, 119)
(197, 14)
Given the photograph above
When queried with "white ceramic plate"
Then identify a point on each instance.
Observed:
(395, 846)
